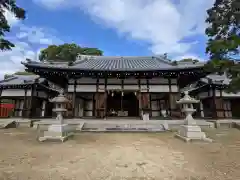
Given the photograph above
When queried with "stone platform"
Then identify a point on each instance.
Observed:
(192, 133)
(99, 125)
(119, 125)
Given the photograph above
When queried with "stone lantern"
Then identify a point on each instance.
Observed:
(59, 130)
(190, 130)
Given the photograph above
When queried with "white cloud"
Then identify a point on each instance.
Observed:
(10, 61)
(26, 40)
(38, 35)
(53, 4)
(163, 24)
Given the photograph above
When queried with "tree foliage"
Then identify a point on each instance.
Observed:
(224, 29)
(223, 44)
(189, 60)
(194, 61)
(8, 5)
(67, 52)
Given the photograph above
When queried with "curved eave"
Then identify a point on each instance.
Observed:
(25, 86)
(16, 86)
(72, 68)
(73, 72)
(206, 87)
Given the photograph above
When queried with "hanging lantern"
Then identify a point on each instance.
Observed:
(112, 94)
(135, 93)
(122, 93)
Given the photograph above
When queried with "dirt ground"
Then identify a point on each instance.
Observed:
(119, 156)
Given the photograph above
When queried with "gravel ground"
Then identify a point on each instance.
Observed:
(119, 156)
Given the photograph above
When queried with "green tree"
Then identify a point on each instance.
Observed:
(9, 5)
(223, 44)
(194, 61)
(66, 52)
(223, 30)
(190, 60)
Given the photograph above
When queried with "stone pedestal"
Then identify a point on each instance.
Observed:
(191, 132)
(58, 132)
(145, 117)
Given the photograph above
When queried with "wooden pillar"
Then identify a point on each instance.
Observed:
(122, 89)
(24, 114)
(179, 95)
(140, 98)
(1, 90)
(33, 91)
(43, 108)
(74, 98)
(16, 107)
(97, 98)
(93, 104)
(223, 108)
(201, 109)
(214, 102)
(149, 99)
(170, 94)
(105, 96)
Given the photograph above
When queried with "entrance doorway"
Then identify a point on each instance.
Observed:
(121, 104)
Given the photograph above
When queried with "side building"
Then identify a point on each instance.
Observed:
(29, 93)
(215, 101)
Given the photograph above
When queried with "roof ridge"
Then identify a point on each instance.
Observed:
(9, 79)
(167, 61)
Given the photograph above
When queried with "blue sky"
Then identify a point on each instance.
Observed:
(118, 27)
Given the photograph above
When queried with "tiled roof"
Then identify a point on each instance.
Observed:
(217, 79)
(21, 79)
(123, 63)
(117, 63)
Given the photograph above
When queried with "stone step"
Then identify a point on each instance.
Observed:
(80, 126)
(7, 124)
(124, 127)
(237, 125)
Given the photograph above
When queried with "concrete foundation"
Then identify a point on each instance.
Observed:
(191, 133)
(58, 132)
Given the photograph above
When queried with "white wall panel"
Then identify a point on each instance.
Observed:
(144, 88)
(174, 88)
(158, 81)
(225, 94)
(86, 81)
(130, 81)
(113, 87)
(86, 88)
(101, 88)
(15, 92)
(158, 88)
(131, 87)
(70, 88)
(114, 81)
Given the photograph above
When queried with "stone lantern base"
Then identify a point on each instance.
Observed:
(191, 133)
(58, 132)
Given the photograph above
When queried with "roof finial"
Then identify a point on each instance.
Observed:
(165, 55)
